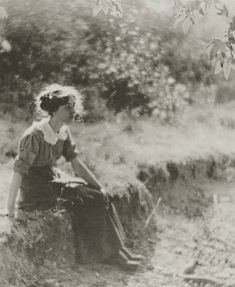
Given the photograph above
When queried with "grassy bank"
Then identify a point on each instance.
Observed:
(116, 148)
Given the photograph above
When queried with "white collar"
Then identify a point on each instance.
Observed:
(49, 135)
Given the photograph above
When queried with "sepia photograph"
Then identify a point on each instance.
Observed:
(117, 143)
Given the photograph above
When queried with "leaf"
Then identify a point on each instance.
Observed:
(226, 68)
(180, 19)
(217, 45)
(201, 11)
(213, 61)
(217, 67)
(192, 19)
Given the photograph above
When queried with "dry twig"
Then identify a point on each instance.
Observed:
(152, 213)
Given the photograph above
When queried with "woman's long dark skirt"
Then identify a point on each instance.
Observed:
(98, 232)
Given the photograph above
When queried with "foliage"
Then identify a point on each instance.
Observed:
(221, 51)
(140, 69)
(134, 64)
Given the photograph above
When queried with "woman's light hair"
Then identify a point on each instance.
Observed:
(59, 91)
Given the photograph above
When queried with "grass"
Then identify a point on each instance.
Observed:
(115, 149)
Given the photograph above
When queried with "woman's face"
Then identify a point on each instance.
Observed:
(66, 112)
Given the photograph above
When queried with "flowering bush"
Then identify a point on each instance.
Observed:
(133, 64)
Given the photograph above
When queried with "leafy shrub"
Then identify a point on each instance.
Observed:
(136, 63)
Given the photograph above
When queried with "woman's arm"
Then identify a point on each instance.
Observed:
(80, 169)
(13, 190)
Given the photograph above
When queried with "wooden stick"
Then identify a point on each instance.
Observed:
(152, 213)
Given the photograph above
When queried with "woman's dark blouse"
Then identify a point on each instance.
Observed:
(35, 162)
(34, 151)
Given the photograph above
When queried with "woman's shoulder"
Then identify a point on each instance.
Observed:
(32, 132)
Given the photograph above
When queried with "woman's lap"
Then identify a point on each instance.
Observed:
(96, 227)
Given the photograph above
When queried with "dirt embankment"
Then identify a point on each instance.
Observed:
(178, 186)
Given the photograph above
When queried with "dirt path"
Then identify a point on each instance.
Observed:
(195, 252)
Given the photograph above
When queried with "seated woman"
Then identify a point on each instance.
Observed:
(99, 233)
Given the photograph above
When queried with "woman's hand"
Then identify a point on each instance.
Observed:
(13, 190)
(103, 190)
(81, 170)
